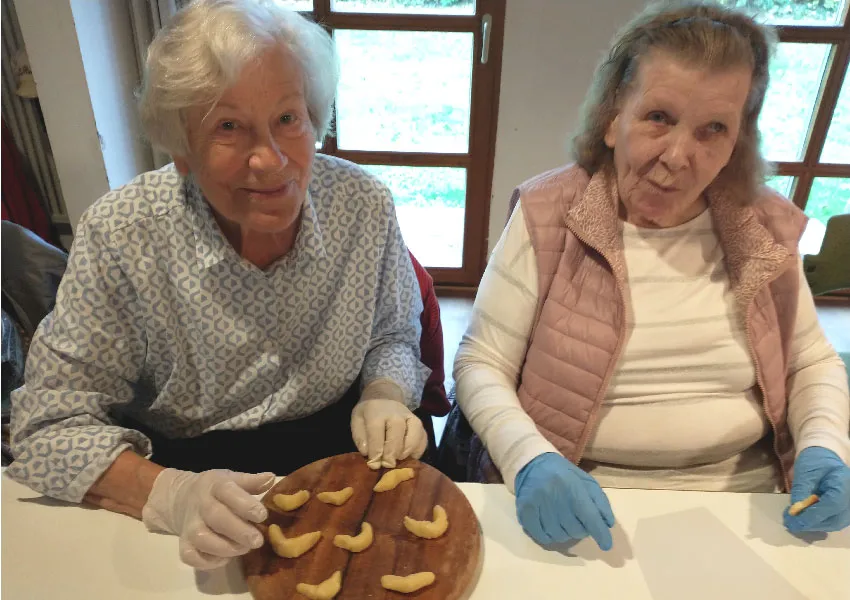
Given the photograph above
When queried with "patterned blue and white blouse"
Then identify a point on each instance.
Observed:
(158, 316)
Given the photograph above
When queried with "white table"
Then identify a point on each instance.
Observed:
(667, 545)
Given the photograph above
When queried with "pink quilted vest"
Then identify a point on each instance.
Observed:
(584, 310)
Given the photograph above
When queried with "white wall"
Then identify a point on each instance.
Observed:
(57, 65)
(551, 49)
(82, 59)
(109, 57)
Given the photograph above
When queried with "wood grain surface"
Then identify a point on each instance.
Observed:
(455, 558)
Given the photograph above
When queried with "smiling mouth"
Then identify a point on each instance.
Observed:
(269, 191)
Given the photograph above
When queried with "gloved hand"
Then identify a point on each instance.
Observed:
(386, 431)
(556, 502)
(213, 513)
(820, 471)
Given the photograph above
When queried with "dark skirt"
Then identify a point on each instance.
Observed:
(280, 447)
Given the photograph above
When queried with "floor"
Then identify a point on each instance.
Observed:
(835, 321)
(454, 315)
(456, 312)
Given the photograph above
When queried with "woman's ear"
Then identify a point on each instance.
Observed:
(611, 133)
(182, 165)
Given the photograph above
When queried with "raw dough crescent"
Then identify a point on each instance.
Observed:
(323, 591)
(429, 529)
(409, 584)
(336, 498)
(292, 547)
(289, 502)
(392, 478)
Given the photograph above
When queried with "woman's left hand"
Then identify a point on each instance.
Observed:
(386, 431)
(820, 471)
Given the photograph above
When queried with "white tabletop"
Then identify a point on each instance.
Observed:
(667, 545)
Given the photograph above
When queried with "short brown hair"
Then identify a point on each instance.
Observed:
(704, 34)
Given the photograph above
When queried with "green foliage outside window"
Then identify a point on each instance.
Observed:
(824, 12)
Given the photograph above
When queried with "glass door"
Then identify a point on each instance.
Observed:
(416, 106)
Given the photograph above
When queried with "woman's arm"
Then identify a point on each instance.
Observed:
(82, 362)
(125, 485)
(488, 362)
(393, 353)
(818, 399)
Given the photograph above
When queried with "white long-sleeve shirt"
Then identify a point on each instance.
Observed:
(683, 410)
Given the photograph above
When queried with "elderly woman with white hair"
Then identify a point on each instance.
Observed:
(251, 307)
(644, 320)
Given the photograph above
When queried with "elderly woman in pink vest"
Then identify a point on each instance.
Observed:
(644, 320)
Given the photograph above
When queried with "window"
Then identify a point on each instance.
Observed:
(805, 123)
(416, 106)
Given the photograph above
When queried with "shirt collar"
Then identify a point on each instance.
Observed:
(211, 246)
(210, 243)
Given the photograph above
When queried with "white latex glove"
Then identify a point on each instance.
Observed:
(384, 429)
(212, 512)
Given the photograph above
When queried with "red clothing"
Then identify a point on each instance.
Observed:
(434, 401)
(21, 203)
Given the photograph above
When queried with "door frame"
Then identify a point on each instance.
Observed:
(484, 111)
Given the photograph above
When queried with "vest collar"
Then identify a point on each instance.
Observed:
(753, 257)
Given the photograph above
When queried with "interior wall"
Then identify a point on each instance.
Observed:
(84, 64)
(105, 35)
(551, 49)
(57, 66)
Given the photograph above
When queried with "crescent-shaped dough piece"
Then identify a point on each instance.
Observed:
(429, 529)
(392, 478)
(409, 584)
(289, 502)
(336, 498)
(292, 547)
(802, 505)
(356, 543)
(323, 591)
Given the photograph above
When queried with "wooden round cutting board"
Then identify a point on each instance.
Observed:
(455, 558)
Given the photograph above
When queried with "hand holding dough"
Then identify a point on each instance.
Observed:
(324, 591)
(392, 478)
(292, 547)
(802, 505)
(429, 529)
(409, 584)
(289, 502)
(356, 543)
(336, 498)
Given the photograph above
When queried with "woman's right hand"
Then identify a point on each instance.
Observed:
(213, 512)
(557, 502)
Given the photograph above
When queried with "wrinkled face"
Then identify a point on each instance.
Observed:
(252, 153)
(675, 131)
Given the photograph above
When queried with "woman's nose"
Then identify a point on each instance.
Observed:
(679, 151)
(267, 156)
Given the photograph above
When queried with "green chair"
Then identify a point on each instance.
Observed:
(829, 270)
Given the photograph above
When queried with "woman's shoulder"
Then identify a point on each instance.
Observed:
(570, 173)
(776, 212)
(770, 203)
(565, 181)
(336, 179)
(151, 194)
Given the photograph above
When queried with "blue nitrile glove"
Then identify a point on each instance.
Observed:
(820, 471)
(557, 502)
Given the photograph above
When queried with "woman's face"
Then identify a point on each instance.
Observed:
(252, 152)
(675, 131)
